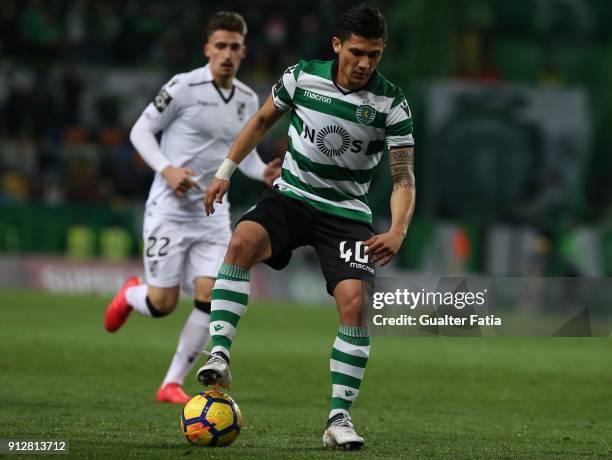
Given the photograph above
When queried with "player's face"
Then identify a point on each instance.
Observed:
(224, 51)
(357, 59)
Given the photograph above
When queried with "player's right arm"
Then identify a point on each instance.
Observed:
(279, 102)
(251, 135)
(166, 106)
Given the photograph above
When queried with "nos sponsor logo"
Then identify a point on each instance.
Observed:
(332, 141)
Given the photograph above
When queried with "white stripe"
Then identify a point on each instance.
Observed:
(234, 307)
(396, 115)
(353, 371)
(314, 180)
(354, 205)
(338, 391)
(320, 85)
(399, 140)
(362, 351)
(236, 286)
(227, 330)
(289, 83)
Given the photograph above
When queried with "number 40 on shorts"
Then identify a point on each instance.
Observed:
(359, 251)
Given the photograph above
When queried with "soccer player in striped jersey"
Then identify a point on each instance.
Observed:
(343, 113)
(200, 113)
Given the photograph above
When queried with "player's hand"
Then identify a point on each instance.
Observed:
(382, 248)
(272, 171)
(179, 179)
(216, 190)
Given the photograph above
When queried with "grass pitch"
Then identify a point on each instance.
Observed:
(62, 376)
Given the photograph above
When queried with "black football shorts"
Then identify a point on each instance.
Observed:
(291, 223)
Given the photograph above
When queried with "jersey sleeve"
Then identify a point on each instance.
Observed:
(284, 89)
(168, 104)
(398, 127)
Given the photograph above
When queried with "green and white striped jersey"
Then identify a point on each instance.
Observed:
(336, 138)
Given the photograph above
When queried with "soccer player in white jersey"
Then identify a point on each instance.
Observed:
(343, 113)
(200, 114)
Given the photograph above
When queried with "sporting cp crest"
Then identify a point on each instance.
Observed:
(365, 114)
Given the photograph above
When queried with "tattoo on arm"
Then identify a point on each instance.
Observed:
(401, 162)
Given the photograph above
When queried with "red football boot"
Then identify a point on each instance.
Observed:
(172, 393)
(118, 310)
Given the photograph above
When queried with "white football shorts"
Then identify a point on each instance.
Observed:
(177, 252)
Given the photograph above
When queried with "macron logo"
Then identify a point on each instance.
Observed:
(217, 327)
(317, 97)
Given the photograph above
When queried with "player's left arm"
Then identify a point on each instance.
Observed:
(383, 247)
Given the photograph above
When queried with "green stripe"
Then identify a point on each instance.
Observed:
(319, 68)
(230, 278)
(375, 147)
(402, 128)
(354, 331)
(327, 193)
(233, 272)
(297, 123)
(339, 403)
(347, 359)
(331, 209)
(224, 294)
(380, 86)
(346, 380)
(283, 95)
(362, 341)
(398, 100)
(221, 341)
(225, 315)
(298, 68)
(333, 172)
(335, 107)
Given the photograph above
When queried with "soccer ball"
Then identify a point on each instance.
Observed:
(211, 418)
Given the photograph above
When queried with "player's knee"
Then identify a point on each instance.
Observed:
(355, 302)
(240, 251)
(352, 310)
(161, 305)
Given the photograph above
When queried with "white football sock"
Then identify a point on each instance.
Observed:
(137, 298)
(193, 340)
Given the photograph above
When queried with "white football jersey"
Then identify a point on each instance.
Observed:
(199, 124)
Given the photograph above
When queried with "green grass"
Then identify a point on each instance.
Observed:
(63, 376)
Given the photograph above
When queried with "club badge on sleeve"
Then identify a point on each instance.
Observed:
(162, 100)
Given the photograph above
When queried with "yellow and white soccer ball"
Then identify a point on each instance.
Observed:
(211, 419)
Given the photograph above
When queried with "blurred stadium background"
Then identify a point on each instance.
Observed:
(512, 105)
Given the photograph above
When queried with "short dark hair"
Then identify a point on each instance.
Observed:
(364, 21)
(226, 20)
